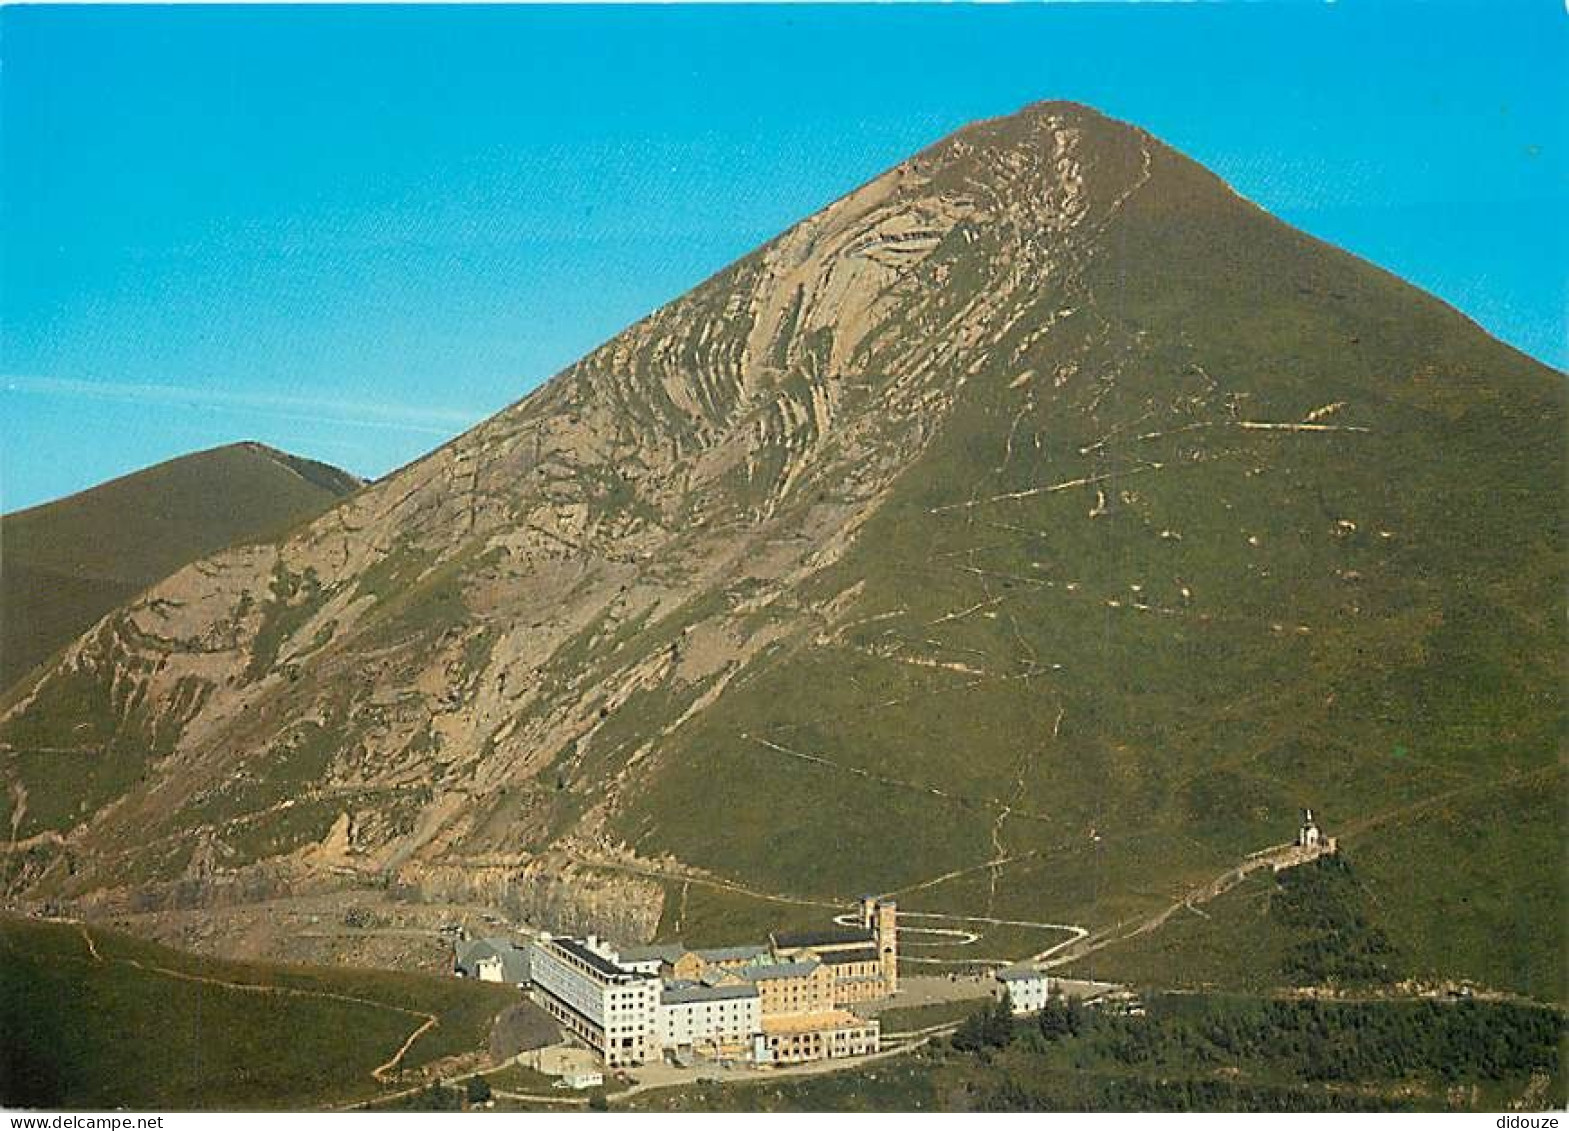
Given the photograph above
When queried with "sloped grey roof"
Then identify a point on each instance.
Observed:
(828, 937)
(679, 993)
(514, 962)
(731, 953)
(780, 970)
(469, 953)
(1020, 974)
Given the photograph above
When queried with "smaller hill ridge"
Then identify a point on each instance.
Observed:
(66, 563)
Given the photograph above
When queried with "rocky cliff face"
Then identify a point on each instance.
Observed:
(1040, 485)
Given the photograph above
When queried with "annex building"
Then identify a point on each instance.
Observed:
(1025, 988)
(491, 960)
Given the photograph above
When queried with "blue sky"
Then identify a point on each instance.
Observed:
(351, 232)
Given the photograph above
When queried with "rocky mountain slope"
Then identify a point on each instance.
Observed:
(1031, 532)
(64, 564)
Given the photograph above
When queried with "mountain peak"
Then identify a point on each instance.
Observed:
(1037, 124)
(1037, 485)
(1049, 112)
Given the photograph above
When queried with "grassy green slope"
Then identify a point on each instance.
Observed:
(1465, 887)
(64, 564)
(130, 1024)
(1357, 620)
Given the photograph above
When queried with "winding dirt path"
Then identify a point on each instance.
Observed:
(92, 947)
(380, 1073)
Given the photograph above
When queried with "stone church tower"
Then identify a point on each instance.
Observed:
(881, 917)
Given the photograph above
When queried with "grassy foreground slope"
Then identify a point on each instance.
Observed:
(91, 1018)
(66, 563)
